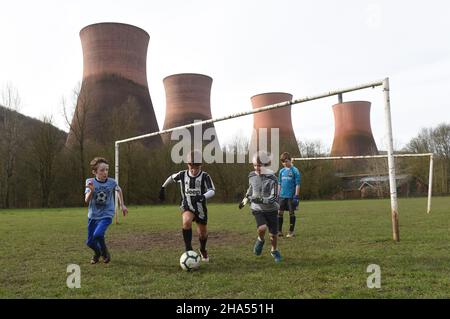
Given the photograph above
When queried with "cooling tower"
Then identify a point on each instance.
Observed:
(114, 100)
(188, 98)
(279, 118)
(352, 132)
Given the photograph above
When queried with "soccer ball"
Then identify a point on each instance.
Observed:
(190, 260)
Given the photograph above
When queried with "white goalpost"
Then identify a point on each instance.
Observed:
(430, 172)
(384, 83)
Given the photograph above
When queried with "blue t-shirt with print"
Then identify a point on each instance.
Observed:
(103, 201)
(288, 179)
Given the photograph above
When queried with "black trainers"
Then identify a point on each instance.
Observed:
(106, 256)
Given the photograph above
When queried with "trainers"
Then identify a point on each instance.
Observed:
(276, 255)
(106, 257)
(95, 259)
(204, 255)
(257, 249)
(290, 234)
(280, 234)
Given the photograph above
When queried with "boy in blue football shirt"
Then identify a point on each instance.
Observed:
(288, 190)
(99, 194)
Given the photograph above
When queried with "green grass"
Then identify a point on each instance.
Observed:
(336, 241)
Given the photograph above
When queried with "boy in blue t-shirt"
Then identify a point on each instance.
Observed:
(99, 194)
(288, 190)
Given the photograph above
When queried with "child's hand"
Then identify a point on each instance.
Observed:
(199, 198)
(90, 185)
(295, 201)
(162, 195)
(243, 203)
(124, 210)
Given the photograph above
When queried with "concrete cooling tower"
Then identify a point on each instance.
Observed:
(114, 99)
(188, 98)
(279, 118)
(352, 131)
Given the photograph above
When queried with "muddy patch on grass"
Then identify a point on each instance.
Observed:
(172, 239)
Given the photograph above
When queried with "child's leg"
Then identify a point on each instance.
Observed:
(273, 241)
(261, 226)
(202, 235)
(188, 217)
(280, 221)
(292, 220)
(203, 238)
(284, 205)
(272, 224)
(259, 244)
(262, 232)
(99, 234)
(91, 242)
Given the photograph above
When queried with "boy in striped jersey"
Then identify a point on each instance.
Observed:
(196, 188)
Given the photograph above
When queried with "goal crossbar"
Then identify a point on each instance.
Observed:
(430, 172)
(257, 110)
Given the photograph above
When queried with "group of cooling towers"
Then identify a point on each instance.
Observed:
(114, 70)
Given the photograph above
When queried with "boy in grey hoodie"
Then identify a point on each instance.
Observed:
(263, 196)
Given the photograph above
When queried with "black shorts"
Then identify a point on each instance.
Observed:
(199, 218)
(267, 218)
(286, 204)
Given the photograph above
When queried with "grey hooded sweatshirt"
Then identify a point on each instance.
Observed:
(263, 191)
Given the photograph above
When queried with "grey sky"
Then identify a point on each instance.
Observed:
(248, 47)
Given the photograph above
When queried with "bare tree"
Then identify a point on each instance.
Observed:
(45, 146)
(121, 126)
(10, 141)
(441, 138)
(311, 148)
(76, 120)
(422, 143)
(437, 141)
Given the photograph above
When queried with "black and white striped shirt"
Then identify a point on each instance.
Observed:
(192, 186)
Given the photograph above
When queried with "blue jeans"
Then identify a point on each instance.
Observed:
(96, 234)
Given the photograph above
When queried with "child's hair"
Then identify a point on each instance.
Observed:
(96, 161)
(194, 157)
(285, 156)
(262, 158)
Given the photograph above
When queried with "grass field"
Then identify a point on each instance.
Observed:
(336, 241)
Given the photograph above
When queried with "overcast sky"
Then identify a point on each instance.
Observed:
(248, 47)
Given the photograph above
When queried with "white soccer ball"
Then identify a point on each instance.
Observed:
(190, 260)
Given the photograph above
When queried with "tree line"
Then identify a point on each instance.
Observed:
(38, 169)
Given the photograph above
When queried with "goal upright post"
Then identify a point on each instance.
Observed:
(430, 184)
(391, 164)
(116, 176)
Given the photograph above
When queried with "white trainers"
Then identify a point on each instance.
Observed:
(290, 234)
(204, 255)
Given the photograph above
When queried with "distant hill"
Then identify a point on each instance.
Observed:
(27, 124)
